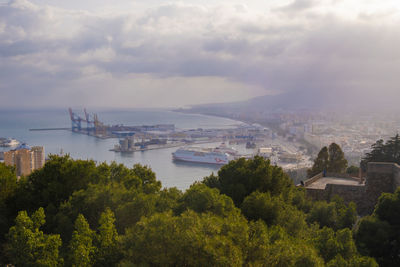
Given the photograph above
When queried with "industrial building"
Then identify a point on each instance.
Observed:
(25, 159)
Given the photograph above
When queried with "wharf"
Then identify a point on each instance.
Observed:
(151, 147)
(175, 144)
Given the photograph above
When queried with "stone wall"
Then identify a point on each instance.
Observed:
(380, 178)
(313, 179)
(316, 194)
(396, 177)
(349, 193)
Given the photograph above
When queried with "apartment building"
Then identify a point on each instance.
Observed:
(25, 159)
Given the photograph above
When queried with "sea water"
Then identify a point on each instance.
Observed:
(16, 124)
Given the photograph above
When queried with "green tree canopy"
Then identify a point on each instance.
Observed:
(329, 159)
(135, 222)
(353, 170)
(190, 239)
(27, 245)
(337, 162)
(273, 210)
(383, 152)
(8, 187)
(239, 178)
(378, 235)
(107, 241)
(336, 214)
(81, 249)
(200, 198)
(320, 163)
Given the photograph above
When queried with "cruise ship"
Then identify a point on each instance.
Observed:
(8, 142)
(202, 155)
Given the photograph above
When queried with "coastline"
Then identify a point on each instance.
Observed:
(188, 111)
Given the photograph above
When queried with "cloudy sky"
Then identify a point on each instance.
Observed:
(160, 53)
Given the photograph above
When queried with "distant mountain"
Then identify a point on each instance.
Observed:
(270, 103)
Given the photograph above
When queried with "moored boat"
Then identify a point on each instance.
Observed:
(202, 155)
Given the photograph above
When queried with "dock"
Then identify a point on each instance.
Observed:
(170, 145)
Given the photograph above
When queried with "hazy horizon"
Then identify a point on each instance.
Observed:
(166, 54)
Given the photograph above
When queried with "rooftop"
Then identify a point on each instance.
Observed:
(322, 182)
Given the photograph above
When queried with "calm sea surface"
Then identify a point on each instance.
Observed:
(16, 124)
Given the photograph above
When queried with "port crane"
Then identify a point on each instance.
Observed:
(76, 121)
(92, 122)
(95, 127)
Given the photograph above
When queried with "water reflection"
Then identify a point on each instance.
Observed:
(179, 163)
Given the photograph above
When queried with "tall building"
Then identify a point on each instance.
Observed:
(38, 157)
(25, 159)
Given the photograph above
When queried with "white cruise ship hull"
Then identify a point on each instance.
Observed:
(201, 157)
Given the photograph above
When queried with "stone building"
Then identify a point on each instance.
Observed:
(380, 178)
(25, 159)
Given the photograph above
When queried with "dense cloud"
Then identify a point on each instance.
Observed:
(193, 53)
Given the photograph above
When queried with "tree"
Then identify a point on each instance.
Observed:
(107, 241)
(273, 210)
(8, 182)
(336, 214)
(200, 198)
(337, 163)
(353, 170)
(241, 177)
(81, 249)
(8, 187)
(383, 152)
(190, 239)
(320, 163)
(262, 206)
(28, 246)
(289, 253)
(329, 159)
(378, 235)
(331, 244)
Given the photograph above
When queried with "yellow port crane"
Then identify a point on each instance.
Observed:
(99, 127)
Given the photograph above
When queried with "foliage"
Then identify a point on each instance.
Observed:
(335, 214)
(201, 198)
(8, 182)
(250, 214)
(353, 170)
(339, 247)
(273, 211)
(28, 246)
(81, 246)
(8, 187)
(378, 235)
(320, 163)
(190, 239)
(337, 162)
(383, 152)
(329, 160)
(107, 241)
(287, 253)
(241, 177)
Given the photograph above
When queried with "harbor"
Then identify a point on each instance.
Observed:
(248, 139)
(151, 142)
